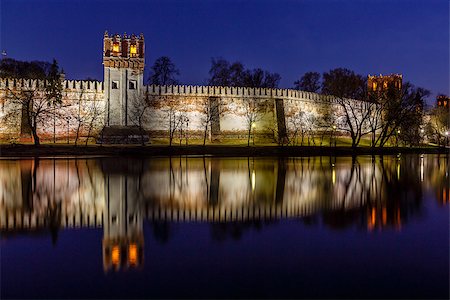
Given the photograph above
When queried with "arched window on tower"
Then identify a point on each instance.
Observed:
(374, 86)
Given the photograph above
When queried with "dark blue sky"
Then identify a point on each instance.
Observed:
(288, 37)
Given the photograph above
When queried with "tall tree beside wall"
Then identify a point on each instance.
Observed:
(173, 113)
(53, 91)
(253, 112)
(163, 72)
(139, 114)
(37, 104)
(353, 116)
(401, 113)
(211, 111)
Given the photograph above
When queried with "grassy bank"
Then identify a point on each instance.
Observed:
(28, 150)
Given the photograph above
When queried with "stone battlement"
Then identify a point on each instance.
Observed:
(77, 85)
(238, 92)
(175, 90)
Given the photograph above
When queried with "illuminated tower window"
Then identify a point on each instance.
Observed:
(133, 51)
(374, 86)
(385, 84)
(116, 47)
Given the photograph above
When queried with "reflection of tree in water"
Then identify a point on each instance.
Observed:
(53, 217)
(398, 196)
(223, 230)
(162, 231)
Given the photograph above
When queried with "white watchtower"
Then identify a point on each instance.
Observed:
(123, 60)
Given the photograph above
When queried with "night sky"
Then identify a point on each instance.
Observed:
(288, 37)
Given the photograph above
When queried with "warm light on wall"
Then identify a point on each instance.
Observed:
(116, 47)
(132, 254)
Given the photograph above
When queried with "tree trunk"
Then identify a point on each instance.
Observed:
(204, 135)
(34, 132)
(249, 133)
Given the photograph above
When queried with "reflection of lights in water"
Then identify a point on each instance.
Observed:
(333, 175)
(398, 170)
(253, 180)
(371, 219)
(421, 167)
(115, 255)
(384, 216)
(132, 254)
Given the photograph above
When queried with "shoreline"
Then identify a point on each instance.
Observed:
(20, 150)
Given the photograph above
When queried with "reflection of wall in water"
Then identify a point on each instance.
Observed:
(29, 187)
(119, 194)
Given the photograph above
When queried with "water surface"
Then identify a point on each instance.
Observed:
(201, 227)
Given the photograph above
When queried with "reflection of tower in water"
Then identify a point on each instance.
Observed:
(123, 240)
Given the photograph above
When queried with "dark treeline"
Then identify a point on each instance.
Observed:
(224, 73)
(11, 68)
(221, 73)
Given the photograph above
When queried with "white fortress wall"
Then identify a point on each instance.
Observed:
(84, 100)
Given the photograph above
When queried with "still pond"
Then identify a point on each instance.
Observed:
(204, 227)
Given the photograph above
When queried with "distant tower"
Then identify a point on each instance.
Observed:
(442, 100)
(123, 60)
(382, 82)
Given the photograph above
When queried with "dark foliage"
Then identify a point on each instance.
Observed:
(163, 72)
(310, 82)
(222, 73)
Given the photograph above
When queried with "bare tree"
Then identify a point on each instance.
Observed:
(253, 112)
(401, 109)
(211, 111)
(438, 124)
(354, 118)
(38, 103)
(173, 116)
(34, 106)
(325, 123)
(303, 124)
(95, 112)
(139, 114)
(79, 116)
(346, 86)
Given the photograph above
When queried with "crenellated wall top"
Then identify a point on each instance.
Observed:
(75, 85)
(235, 92)
(175, 90)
